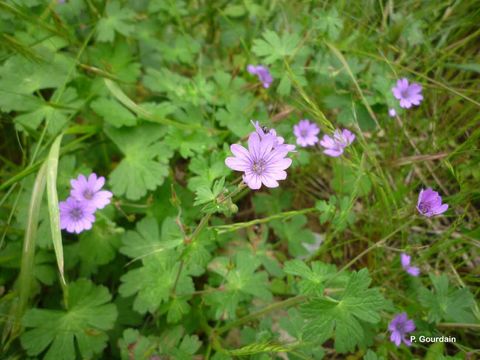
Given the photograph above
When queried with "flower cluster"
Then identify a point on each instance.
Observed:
(334, 146)
(77, 213)
(307, 135)
(265, 160)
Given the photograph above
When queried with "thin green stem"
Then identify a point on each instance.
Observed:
(246, 319)
(377, 244)
(221, 229)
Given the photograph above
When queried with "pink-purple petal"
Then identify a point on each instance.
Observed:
(237, 164)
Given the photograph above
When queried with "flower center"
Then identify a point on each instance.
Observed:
(259, 166)
(405, 94)
(424, 207)
(304, 133)
(88, 194)
(76, 213)
(401, 328)
(340, 140)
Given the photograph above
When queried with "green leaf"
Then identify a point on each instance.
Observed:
(272, 48)
(151, 111)
(293, 325)
(444, 303)
(285, 85)
(314, 278)
(189, 143)
(346, 315)
(227, 88)
(177, 308)
(328, 22)
(182, 48)
(207, 169)
(338, 211)
(98, 246)
(236, 116)
(113, 113)
(350, 181)
(205, 194)
(118, 59)
(413, 33)
(19, 78)
(133, 345)
(196, 91)
(82, 326)
(145, 165)
(271, 204)
(326, 209)
(294, 231)
(234, 10)
(152, 283)
(371, 355)
(198, 253)
(118, 20)
(188, 347)
(242, 282)
(55, 113)
(147, 240)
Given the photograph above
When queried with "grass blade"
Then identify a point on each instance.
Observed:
(12, 328)
(344, 62)
(53, 211)
(140, 111)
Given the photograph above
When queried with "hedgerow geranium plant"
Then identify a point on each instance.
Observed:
(221, 180)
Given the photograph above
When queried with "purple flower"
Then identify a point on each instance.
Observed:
(306, 133)
(334, 146)
(261, 163)
(262, 73)
(76, 216)
(278, 142)
(430, 203)
(400, 326)
(392, 112)
(405, 260)
(88, 191)
(408, 94)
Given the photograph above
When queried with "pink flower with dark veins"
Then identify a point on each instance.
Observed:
(89, 190)
(408, 94)
(261, 163)
(430, 203)
(306, 133)
(334, 146)
(262, 73)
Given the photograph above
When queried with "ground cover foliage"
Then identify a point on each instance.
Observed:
(128, 231)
